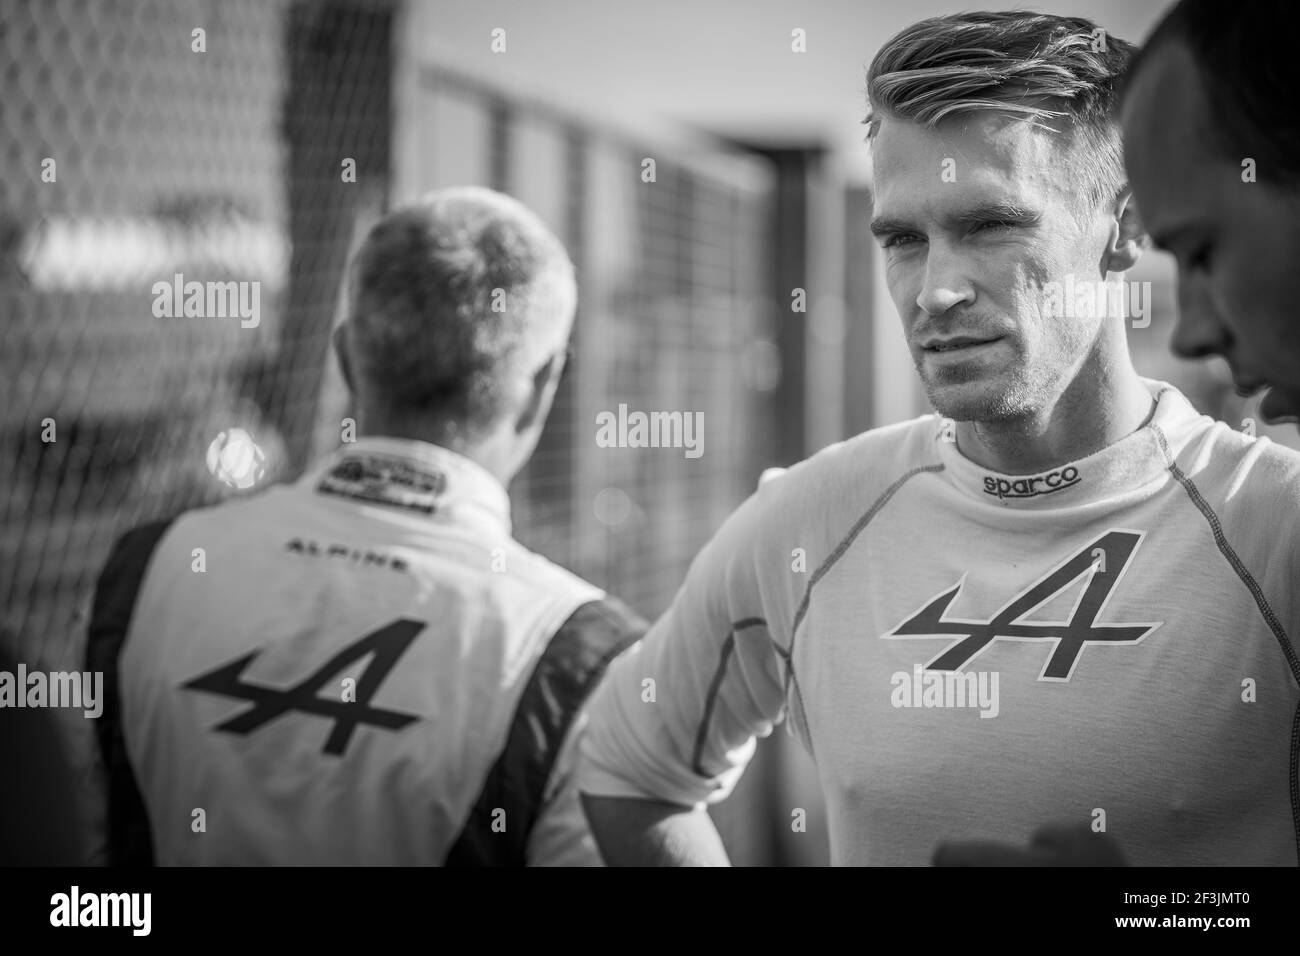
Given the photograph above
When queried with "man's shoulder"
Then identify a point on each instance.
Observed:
(525, 564)
(861, 467)
(123, 573)
(817, 500)
(1241, 480)
(235, 515)
(1235, 462)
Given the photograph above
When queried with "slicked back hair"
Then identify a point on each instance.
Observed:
(1061, 73)
(454, 301)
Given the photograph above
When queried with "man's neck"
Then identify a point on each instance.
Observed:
(1093, 413)
(490, 452)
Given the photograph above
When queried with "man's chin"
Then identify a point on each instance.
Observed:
(975, 401)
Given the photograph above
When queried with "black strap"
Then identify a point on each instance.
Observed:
(129, 840)
(566, 673)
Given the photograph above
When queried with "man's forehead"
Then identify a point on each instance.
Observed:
(1166, 103)
(974, 158)
(1166, 120)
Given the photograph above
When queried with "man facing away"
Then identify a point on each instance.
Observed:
(368, 668)
(1063, 613)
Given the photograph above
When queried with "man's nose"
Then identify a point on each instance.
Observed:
(1198, 331)
(945, 284)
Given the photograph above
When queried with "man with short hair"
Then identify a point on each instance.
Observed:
(367, 668)
(1065, 605)
(1212, 143)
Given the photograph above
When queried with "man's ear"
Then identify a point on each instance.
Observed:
(340, 339)
(541, 391)
(1128, 237)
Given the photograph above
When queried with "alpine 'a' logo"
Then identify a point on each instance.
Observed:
(1105, 561)
(383, 647)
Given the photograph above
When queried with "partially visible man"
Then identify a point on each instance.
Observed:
(1212, 146)
(365, 667)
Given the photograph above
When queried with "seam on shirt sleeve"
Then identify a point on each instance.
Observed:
(839, 552)
(1230, 555)
(697, 759)
(1265, 610)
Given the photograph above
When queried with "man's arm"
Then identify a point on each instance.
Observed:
(532, 781)
(675, 722)
(638, 832)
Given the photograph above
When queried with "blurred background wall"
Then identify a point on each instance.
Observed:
(230, 163)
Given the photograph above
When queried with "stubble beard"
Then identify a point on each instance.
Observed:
(981, 394)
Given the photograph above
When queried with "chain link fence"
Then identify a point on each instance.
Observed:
(129, 157)
(673, 318)
(149, 144)
(247, 145)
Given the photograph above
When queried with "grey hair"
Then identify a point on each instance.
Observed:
(453, 300)
(1039, 67)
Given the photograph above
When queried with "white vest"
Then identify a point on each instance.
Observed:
(336, 682)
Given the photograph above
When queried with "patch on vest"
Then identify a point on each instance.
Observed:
(381, 480)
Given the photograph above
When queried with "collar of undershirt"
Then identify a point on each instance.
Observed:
(418, 478)
(1128, 467)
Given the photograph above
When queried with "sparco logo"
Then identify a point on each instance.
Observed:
(1032, 487)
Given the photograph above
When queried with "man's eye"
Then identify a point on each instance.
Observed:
(898, 239)
(993, 224)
